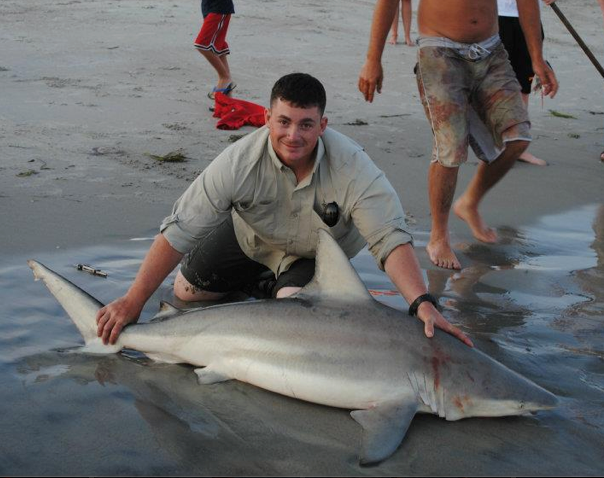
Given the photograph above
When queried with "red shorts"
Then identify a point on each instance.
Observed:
(212, 36)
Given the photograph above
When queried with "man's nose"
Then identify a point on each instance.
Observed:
(293, 132)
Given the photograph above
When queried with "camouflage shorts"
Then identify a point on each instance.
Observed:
(470, 101)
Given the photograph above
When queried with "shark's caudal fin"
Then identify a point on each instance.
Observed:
(334, 275)
(78, 304)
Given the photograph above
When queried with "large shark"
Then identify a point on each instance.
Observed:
(331, 344)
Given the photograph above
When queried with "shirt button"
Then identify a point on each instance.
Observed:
(294, 214)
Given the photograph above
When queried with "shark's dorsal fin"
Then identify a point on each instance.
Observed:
(166, 310)
(334, 275)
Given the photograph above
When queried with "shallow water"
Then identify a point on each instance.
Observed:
(534, 301)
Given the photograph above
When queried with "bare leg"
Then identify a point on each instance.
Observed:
(526, 156)
(394, 28)
(407, 16)
(441, 189)
(601, 2)
(487, 175)
(287, 291)
(186, 291)
(221, 66)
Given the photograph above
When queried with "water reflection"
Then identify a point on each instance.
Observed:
(527, 273)
(210, 429)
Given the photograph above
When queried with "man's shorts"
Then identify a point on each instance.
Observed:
(470, 99)
(514, 42)
(212, 36)
(217, 264)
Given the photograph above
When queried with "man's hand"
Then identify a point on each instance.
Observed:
(112, 318)
(158, 263)
(370, 79)
(433, 318)
(547, 78)
(372, 75)
(403, 269)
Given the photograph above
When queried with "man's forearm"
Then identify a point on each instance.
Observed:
(530, 20)
(383, 16)
(161, 259)
(403, 269)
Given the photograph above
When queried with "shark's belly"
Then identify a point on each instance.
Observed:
(316, 384)
(319, 370)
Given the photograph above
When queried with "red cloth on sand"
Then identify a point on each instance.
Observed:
(234, 113)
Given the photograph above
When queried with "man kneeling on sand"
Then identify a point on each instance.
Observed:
(259, 205)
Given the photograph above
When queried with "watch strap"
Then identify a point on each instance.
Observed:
(422, 298)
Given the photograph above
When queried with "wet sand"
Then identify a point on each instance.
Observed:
(91, 88)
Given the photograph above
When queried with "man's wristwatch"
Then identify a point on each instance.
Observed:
(422, 298)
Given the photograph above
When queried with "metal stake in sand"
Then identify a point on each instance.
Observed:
(579, 40)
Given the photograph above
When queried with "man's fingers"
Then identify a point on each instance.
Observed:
(549, 82)
(367, 87)
(463, 337)
(100, 314)
(101, 320)
(446, 326)
(117, 328)
(554, 85)
(429, 329)
(361, 85)
(455, 332)
(108, 327)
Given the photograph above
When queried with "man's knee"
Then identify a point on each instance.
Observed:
(287, 291)
(187, 292)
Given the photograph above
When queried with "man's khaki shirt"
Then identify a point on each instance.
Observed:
(276, 219)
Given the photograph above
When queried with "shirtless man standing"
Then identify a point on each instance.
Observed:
(470, 95)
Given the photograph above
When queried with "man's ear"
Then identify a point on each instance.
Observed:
(267, 115)
(323, 124)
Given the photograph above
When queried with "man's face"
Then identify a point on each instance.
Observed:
(294, 132)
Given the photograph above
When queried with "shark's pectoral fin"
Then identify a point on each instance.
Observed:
(384, 427)
(209, 375)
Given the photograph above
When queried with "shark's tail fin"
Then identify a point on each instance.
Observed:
(78, 304)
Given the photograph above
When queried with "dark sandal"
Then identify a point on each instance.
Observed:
(226, 91)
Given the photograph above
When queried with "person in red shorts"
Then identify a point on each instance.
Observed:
(211, 41)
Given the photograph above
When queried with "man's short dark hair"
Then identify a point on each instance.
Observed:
(301, 90)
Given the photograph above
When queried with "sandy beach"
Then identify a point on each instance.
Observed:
(91, 89)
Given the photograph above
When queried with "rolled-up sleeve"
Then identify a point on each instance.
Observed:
(202, 207)
(377, 213)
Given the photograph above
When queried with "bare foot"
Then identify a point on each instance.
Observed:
(393, 40)
(532, 159)
(408, 42)
(471, 217)
(441, 254)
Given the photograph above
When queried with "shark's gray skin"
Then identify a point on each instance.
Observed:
(331, 344)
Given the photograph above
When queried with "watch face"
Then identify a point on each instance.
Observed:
(331, 214)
